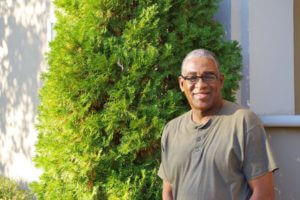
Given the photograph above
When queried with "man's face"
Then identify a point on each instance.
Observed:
(202, 95)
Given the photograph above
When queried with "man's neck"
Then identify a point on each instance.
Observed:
(202, 117)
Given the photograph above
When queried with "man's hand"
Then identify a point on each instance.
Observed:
(263, 187)
(167, 191)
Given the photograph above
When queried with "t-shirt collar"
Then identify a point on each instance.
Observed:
(194, 125)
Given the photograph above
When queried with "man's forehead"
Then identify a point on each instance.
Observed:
(200, 60)
(202, 72)
(200, 64)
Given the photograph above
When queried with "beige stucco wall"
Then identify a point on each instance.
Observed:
(271, 57)
(286, 147)
(23, 42)
(297, 54)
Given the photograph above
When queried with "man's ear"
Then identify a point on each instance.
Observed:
(181, 82)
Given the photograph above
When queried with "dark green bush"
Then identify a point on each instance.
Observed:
(10, 190)
(111, 87)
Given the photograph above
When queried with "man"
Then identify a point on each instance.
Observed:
(217, 150)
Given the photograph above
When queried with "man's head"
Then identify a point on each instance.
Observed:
(203, 94)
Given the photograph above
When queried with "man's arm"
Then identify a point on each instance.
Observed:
(263, 187)
(167, 191)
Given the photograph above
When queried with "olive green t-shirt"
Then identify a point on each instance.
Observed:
(215, 160)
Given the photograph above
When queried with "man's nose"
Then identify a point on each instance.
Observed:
(200, 83)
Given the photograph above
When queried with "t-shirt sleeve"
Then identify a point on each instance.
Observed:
(258, 158)
(162, 173)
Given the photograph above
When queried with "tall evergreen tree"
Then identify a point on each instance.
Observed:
(110, 88)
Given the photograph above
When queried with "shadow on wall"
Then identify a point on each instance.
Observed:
(23, 41)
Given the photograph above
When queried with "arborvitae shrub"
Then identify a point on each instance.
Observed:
(111, 87)
(12, 190)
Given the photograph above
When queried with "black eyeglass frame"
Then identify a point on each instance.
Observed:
(207, 78)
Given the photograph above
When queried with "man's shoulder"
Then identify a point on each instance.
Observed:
(232, 108)
(240, 113)
(179, 120)
(172, 127)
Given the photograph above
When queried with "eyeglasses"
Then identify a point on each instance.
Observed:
(207, 78)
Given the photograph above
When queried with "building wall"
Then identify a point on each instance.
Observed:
(271, 50)
(23, 42)
(297, 54)
(286, 148)
(240, 31)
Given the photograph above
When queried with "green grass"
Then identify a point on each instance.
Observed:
(10, 190)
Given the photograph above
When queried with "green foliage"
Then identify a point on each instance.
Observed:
(10, 190)
(111, 87)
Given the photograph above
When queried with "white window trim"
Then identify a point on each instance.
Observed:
(50, 23)
(280, 120)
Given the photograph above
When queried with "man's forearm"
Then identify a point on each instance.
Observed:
(263, 187)
(262, 197)
(167, 191)
(167, 196)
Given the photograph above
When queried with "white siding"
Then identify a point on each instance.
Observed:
(23, 42)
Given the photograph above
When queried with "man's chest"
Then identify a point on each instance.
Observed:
(213, 150)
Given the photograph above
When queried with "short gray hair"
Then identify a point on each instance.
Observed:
(199, 53)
